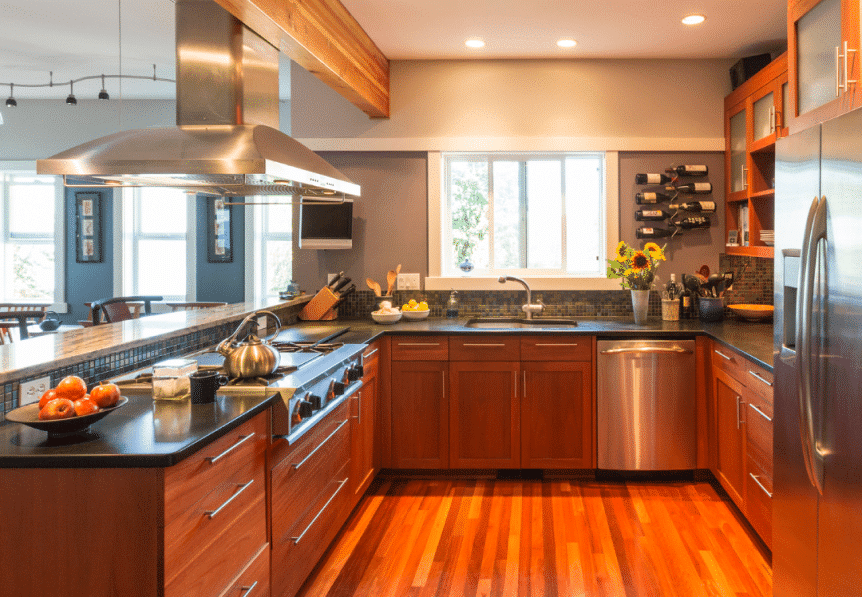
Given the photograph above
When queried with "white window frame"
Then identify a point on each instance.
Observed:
(29, 168)
(438, 234)
(256, 235)
(125, 230)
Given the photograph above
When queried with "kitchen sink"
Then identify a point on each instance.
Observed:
(502, 323)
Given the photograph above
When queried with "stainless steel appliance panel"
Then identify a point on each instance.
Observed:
(646, 405)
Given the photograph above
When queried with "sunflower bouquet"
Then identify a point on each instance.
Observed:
(635, 269)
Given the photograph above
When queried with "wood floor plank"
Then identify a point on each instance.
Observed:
(530, 538)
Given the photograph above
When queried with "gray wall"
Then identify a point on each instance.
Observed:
(221, 281)
(390, 221)
(86, 282)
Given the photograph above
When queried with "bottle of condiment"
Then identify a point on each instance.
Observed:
(452, 308)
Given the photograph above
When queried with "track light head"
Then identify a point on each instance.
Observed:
(71, 100)
(11, 102)
(103, 94)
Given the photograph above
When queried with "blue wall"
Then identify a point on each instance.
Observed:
(86, 282)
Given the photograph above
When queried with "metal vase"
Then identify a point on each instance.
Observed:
(640, 306)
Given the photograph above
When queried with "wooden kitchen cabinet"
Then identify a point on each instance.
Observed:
(419, 414)
(730, 430)
(754, 119)
(363, 424)
(817, 31)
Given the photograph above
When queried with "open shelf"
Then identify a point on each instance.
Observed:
(763, 193)
(751, 251)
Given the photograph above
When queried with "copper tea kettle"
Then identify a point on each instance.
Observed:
(253, 357)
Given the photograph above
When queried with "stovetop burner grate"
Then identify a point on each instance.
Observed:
(322, 348)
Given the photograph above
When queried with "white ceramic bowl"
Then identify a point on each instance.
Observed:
(416, 314)
(386, 317)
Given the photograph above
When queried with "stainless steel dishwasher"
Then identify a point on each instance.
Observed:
(646, 405)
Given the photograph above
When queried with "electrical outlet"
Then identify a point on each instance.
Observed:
(31, 391)
(407, 282)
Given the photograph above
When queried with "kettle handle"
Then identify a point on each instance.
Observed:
(277, 325)
(228, 342)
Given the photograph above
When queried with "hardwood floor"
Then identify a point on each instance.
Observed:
(419, 538)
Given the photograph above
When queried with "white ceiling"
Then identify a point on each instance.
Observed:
(79, 38)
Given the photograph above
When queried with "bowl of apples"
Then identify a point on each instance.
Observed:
(413, 310)
(68, 408)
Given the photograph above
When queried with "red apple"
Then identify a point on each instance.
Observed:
(105, 395)
(58, 408)
(71, 387)
(85, 406)
(47, 397)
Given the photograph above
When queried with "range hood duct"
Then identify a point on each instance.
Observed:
(227, 140)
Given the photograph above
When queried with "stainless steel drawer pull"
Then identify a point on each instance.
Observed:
(766, 381)
(760, 412)
(648, 350)
(556, 344)
(322, 510)
(722, 355)
(212, 513)
(368, 354)
(418, 344)
(297, 465)
(242, 440)
(246, 591)
(759, 484)
(483, 345)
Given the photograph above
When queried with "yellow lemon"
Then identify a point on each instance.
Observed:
(406, 307)
(423, 306)
(412, 303)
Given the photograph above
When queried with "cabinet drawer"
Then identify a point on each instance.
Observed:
(254, 580)
(758, 501)
(729, 361)
(371, 354)
(198, 475)
(211, 570)
(420, 348)
(557, 348)
(298, 549)
(760, 381)
(205, 521)
(484, 348)
(758, 419)
(295, 489)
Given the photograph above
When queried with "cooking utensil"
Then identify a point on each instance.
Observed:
(704, 271)
(334, 281)
(373, 286)
(713, 283)
(391, 277)
(255, 357)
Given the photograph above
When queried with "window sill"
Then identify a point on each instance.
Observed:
(536, 283)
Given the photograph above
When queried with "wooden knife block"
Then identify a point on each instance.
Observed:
(320, 308)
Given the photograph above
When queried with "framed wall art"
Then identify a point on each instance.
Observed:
(219, 249)
(88, 228)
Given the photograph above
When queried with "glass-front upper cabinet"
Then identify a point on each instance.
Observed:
(737, 138)
(824, 60)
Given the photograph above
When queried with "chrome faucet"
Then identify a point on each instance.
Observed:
(529, 308)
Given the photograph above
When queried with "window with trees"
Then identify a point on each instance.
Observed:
(524, 214)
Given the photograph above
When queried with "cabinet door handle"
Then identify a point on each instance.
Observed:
(368, 354)
(839, 86)
(359, 409)
(242, 440)
(246, 591)
(764, 380)
(483, 345)
(418, 344)
(556, 344)
(771, 119)
(739, 420)
(744, 177)
(212, 513)
(525, 384)
(299, 537)
(648, 350)
(722, 355)
(760, 412)
(297, 465)
(759, 484)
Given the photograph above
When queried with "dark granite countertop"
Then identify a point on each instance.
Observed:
(144, 433)
(148, 433)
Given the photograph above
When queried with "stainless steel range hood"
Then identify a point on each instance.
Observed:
(227, 140)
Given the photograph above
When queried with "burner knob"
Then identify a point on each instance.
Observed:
(337, 388)
(315, 401)
(355, 373)
(305, 409)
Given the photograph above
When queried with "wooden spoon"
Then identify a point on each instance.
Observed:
(391, 276)
(373, 286)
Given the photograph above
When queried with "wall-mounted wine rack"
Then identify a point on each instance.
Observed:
(680, 215)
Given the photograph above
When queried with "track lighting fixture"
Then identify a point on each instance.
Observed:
(103, 94)
(10, 101)
(71, 99)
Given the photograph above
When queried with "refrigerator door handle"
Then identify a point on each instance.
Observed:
(815, 229)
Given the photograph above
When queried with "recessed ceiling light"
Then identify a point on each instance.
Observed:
(693, 20)
(474, 43)
(567, 43)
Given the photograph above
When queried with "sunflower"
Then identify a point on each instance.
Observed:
(654, 251)
(640, 261)
(621, 251)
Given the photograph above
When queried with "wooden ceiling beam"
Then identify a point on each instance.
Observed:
(325, 39)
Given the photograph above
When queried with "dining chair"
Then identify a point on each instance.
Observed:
(117, 308)
(193, 306)
(21, 312)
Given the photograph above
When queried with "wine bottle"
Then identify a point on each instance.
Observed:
(692, 187)
(707, 207)
(693, 222)
(654, 232)
(652, 179)
(689, 170)
(649, 198)
(674, 290)
(685, 301)
(651, 215)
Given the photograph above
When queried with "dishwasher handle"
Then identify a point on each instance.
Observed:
(648, 350)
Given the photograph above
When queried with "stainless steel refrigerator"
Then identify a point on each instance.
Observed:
(817, 501)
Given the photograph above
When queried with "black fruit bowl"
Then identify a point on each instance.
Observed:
(29, 415)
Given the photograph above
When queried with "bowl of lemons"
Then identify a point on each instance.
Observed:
(413, 310)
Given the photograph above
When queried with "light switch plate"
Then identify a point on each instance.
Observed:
(407, 282)
(31, 391)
